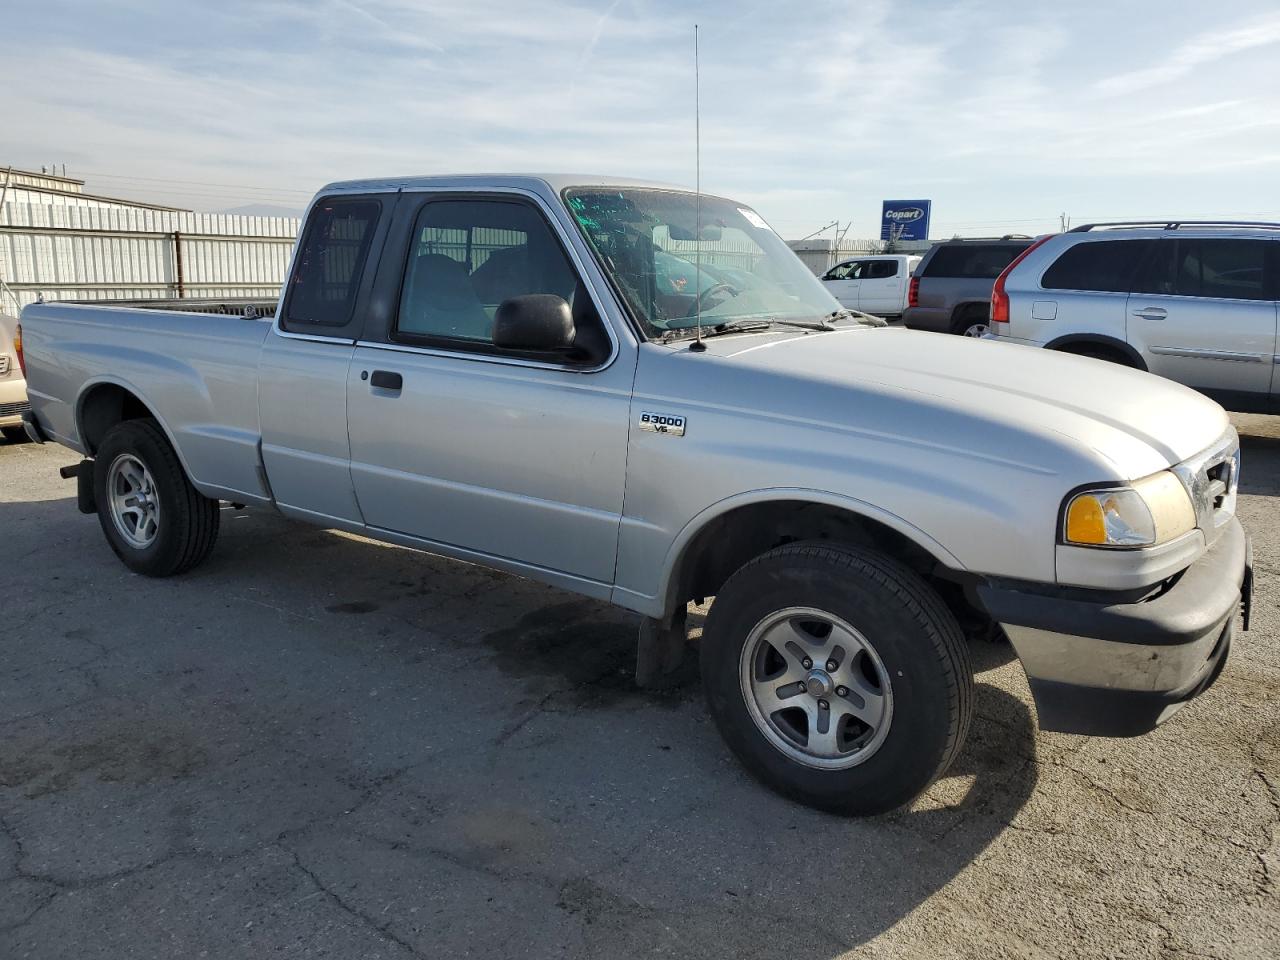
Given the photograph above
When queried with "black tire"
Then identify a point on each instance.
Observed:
(14, 434)
(916, 638)
(188, 524)
(970, 316)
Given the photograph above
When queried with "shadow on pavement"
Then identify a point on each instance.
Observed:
(1259, 464)
(360, 749)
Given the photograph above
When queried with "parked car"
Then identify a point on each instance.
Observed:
(480, 367)
(950, 291)
(875, 285)
(1194, 302)
(13, 384)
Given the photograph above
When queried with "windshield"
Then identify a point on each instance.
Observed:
(650, 244)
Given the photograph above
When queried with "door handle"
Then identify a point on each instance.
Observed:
(386, 380)
(1151, 313)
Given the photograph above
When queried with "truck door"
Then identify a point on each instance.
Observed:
(843, 280)
(882, 289)
(302, 377)
(488, 451)
(1202, 313)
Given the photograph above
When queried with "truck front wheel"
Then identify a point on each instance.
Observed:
(153, 518)
(837, 676)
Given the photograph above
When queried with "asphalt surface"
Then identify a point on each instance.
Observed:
(318, 746)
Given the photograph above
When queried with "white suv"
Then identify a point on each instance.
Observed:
(1194, 302)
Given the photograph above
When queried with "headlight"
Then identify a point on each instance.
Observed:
(1150, 511)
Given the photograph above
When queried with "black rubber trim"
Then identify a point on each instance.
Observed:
(86, 501)
(1104, 712)
(32, 427)
(1204, 597)
(1099, 340)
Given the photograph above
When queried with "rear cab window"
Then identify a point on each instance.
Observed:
(330, 265)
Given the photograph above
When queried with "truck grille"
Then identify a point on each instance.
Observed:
(1213, 480)
(13, 409)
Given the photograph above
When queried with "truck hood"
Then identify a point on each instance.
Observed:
(1137, 422)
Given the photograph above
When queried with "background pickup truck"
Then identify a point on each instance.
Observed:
(645, 397)
(875, 284)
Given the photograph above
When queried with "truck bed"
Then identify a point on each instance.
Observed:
(198, 370)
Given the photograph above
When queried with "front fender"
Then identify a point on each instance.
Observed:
(660, 604)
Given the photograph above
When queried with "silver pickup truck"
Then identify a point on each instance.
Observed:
(640, 394)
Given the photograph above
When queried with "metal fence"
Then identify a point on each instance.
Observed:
(63, 252)
(821, 255)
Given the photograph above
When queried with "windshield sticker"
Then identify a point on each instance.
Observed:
(753, 218)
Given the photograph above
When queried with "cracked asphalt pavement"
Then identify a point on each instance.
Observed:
(318, 746)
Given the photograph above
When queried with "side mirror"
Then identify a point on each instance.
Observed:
(535, 321)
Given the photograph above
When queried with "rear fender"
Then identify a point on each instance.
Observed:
(124, 384)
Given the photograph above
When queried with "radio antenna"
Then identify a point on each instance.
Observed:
(697, 192)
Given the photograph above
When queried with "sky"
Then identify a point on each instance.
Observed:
(1006, 115)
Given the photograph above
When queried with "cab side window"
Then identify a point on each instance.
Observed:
(839, 272)
(881, 269)
(467, 257)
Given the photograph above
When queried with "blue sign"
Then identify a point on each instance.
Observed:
(904, 220)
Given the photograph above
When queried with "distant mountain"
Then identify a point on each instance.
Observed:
(263, 210)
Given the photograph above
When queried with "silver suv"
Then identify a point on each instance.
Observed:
(1191, 301)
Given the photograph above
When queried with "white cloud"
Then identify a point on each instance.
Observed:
(991, 107)
(1196, 52)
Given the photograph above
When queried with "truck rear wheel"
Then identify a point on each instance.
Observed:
(153, 518)
(837, 676)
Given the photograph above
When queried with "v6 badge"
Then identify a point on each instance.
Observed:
(662, 423)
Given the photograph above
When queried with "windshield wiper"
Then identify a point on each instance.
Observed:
(745, 325)
(857, 316)
(739, 326)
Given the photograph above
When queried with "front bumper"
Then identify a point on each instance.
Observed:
(13, 401)
(1120, 669)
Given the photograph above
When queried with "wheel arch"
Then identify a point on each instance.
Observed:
(727, 534)
(107, 401)
(965, 307)
(969, 312)
(1102, 342)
